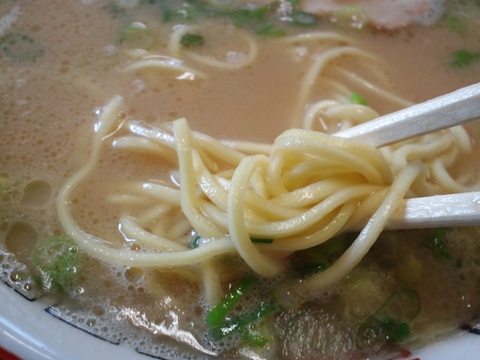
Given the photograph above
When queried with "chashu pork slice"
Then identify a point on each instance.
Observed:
(386, 14)
(383, 14)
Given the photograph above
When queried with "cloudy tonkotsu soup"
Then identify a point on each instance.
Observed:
(132, 227)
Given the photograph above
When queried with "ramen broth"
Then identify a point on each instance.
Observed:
(62, 61)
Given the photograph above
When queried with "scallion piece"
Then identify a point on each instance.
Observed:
(438, 244)
(59, 262)
(255, 339)
(351, 17)
(249, 17)
(191, 40)
(269, 30)
(219, 312)
(464, 58)
(356, 98)
(138, 38)
(239, 322)
(303, 18)
(391, 322)
(374, 332)
(319, 258)
(196, 242)
(401, 306)
(167, 14)
(456, 24)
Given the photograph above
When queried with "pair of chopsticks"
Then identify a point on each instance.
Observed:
(445, 111)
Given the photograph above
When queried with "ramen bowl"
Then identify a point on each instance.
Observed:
(170, 185)
(29, 332)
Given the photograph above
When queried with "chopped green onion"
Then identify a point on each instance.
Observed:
(318, 258)
(239, 322)
(269, 30)
(219, 312)
(358, 99)
(59, 262)
(264, 20)
(401, 306)
(456, 24)
(391, 321)
(438, 244)
(303, 18)
(167, 14)
(138, 38)
(246, 17)
(351, 17)
(255, 339)
(196, 242)
(334, 246)
(261, 241)
(374, 332)
(307, 270)
(191, 40)
(464, 58)
(21, 47)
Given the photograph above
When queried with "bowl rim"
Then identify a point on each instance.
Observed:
(28, 331)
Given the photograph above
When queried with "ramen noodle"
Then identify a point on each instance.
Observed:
(205, 208)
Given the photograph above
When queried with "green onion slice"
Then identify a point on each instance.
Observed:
(303, 18)
(196, 242)
(438, 244)
(255, 339)
(138, 38)
(239, 322)
(191, 40)
(356, 98)
(456, 24)
(351, 17)
(464, 58)
(391, 322)
(219, 312)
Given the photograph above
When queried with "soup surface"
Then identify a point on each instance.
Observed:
(238, 76)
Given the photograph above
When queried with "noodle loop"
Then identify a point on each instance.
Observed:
(308, 188)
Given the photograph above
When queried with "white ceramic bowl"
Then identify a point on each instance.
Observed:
(29, 332)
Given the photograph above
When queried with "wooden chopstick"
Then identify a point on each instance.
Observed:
(437, 211)
(445, 111)
(434, 211)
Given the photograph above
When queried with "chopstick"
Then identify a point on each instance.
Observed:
(461, 209)
(437, 211)
(442, 112)
(445, 111)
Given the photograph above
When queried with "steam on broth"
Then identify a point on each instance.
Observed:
(103, 83)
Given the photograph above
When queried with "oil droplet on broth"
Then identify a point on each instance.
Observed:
(133, 274)
(37, 193)
(20, 240)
